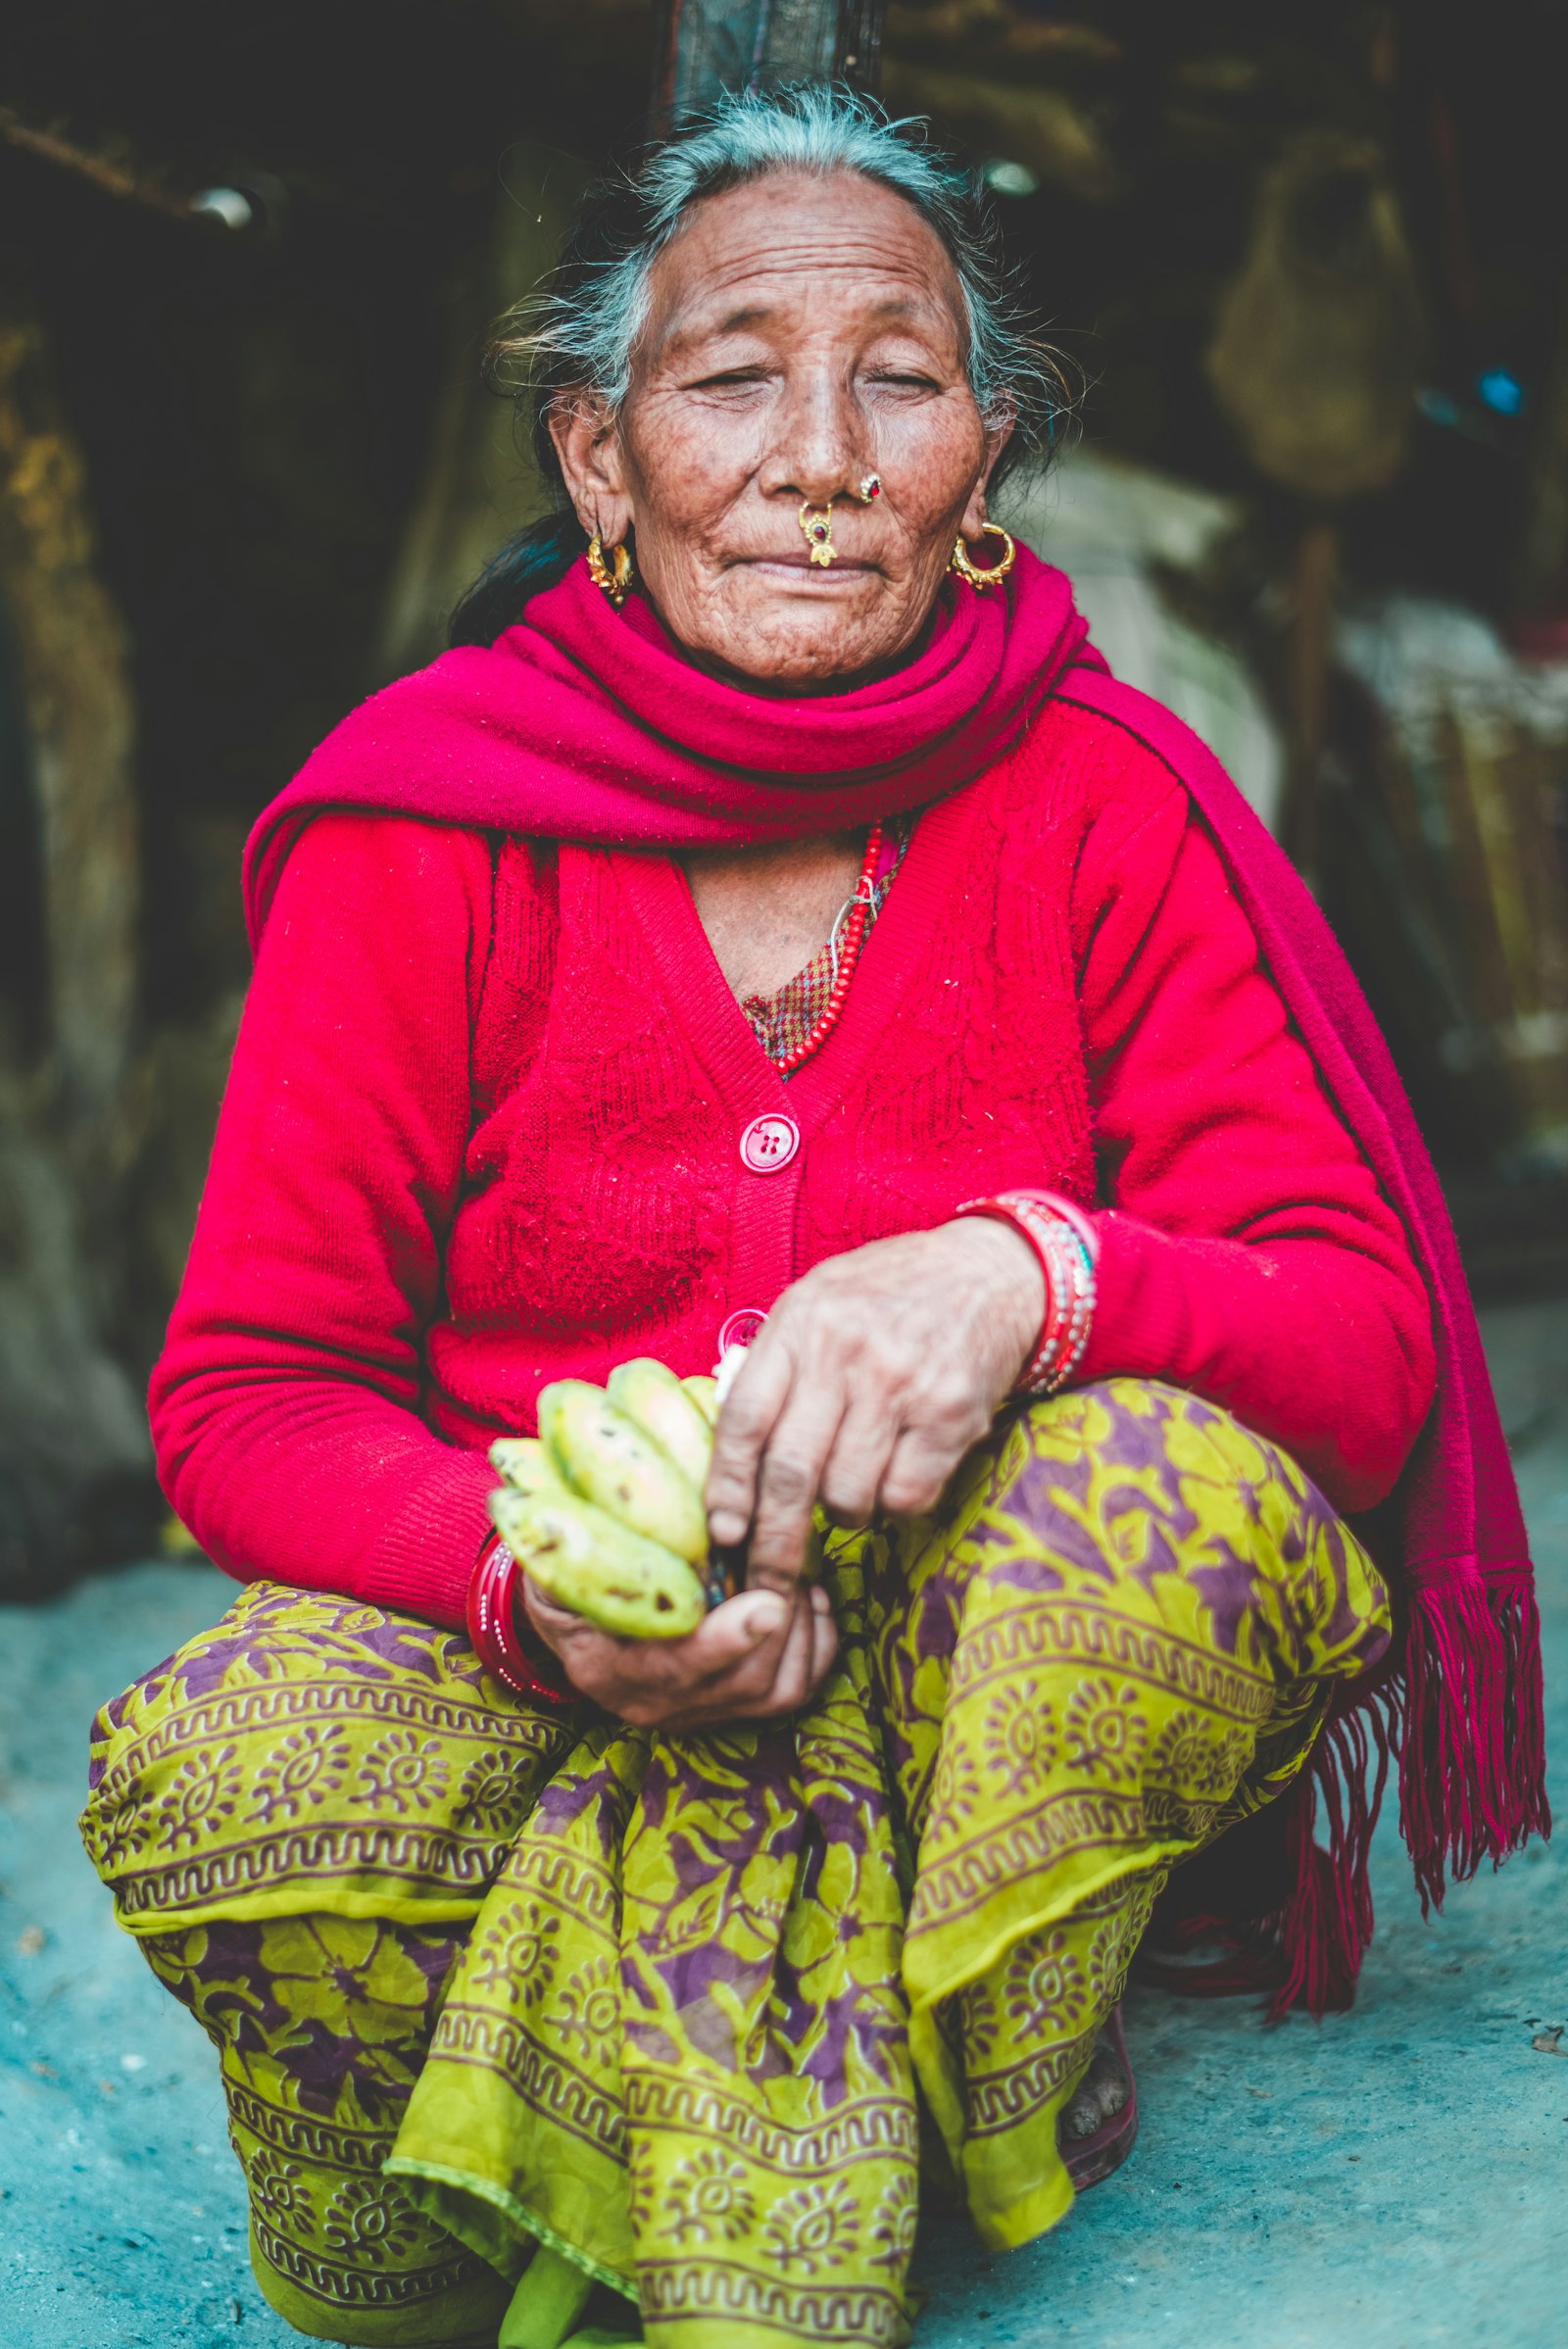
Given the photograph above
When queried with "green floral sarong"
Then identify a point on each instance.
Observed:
(504, 1999)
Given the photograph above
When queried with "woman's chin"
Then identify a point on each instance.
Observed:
(792, 635)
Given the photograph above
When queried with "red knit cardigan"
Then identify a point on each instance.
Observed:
(482, 1131)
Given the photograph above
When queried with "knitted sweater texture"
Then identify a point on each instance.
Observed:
(482, 1131)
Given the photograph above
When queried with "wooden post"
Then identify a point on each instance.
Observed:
(72, 666)
(72, 1437)
(706, 47)
(480, 483)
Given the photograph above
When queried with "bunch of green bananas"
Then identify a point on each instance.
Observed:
(604, 1508)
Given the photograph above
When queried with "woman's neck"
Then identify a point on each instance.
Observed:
(767, 910)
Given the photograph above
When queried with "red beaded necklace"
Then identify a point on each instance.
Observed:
(849, 956)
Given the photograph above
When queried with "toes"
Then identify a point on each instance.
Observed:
(1081, 2118)
(1110, 2082)
(1098, 2097)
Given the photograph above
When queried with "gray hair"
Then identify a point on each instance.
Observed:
(584, 327)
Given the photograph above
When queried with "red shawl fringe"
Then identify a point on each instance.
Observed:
(1461, 1710)
(1464, 1716)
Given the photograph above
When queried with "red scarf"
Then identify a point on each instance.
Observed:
(577, 724)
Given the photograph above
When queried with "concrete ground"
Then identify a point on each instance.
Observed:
(1394, 2179)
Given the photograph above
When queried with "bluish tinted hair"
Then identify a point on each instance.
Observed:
(581, 329)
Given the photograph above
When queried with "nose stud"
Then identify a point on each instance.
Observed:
(870, 487)
(817, 524)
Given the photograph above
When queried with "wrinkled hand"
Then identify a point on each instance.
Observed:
(869, 1381)
(754, 1657)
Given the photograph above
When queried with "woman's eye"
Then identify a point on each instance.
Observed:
(730, 380)
(897, 381)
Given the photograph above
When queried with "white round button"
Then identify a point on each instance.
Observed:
(770, 1143)
(738, 1330)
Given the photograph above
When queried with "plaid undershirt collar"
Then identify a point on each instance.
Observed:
(781, 1023)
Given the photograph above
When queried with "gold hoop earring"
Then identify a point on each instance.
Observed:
(611, 578)
(964, 567)
(817, 524)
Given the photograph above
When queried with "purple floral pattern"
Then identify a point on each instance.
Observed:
(666, 2000)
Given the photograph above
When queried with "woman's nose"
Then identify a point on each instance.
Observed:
(817, 445)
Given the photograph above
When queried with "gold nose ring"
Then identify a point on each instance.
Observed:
(817, 524)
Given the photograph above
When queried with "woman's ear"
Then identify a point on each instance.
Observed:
(997, 434)
(588, 446)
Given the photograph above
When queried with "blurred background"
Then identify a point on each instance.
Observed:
(1310, 262)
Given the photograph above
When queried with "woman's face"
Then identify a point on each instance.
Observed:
(804, 334)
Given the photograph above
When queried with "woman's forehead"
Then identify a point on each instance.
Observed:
(775, 247)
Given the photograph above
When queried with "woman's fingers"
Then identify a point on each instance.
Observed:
(791, 1681)
(852, 1475)
(791, 1479)
(750, 1410)
(872, 1377)
(807, 1652)
(809, 1649)
(662, 1672)
(764, 1658)
(918, 1470)
(753, 1674)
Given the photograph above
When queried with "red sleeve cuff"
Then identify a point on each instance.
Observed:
(1140, 1328)
(424, 1559)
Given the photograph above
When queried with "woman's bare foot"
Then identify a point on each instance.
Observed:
(1098, 2097)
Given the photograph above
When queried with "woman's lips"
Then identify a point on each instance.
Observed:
(802, 566)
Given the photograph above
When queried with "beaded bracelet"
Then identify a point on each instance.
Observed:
(494, 1589)
(1066, 1243)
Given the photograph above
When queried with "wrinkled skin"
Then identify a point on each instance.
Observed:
(802, 333)
(872, 1377)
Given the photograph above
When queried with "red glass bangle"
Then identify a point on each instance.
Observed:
(1062, 1348)
(1064, 1243)
(494, 1594)
(1070, 1214)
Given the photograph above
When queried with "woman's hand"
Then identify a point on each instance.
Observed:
(751, 1658)
(868, 1383)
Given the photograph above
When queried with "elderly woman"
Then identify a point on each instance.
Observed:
(784, 931)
